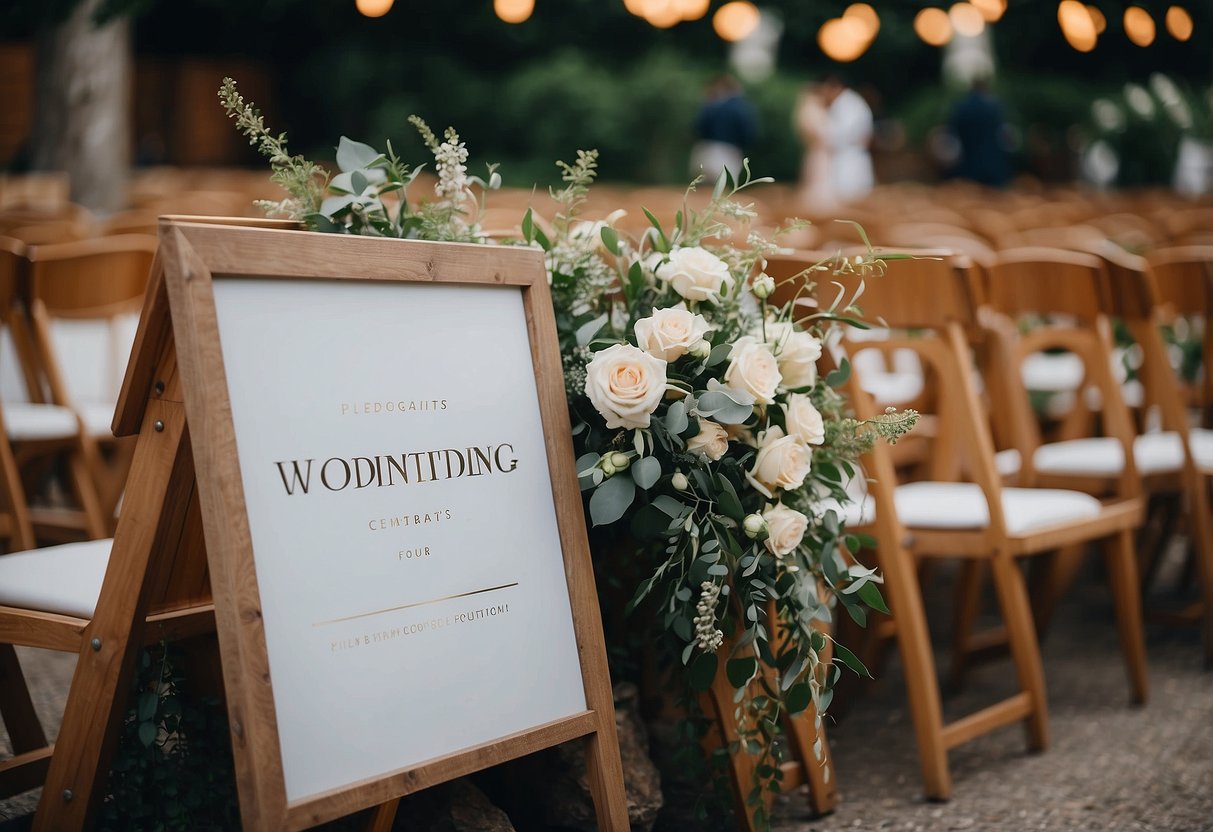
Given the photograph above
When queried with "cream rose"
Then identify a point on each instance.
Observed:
(753, 369)
(625, 385)
(669, 334)
(804, 420)
(786, 529)
(782, 462)
(696, 274)
(796, 351)
(712, 440)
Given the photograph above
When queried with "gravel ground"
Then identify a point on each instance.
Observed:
(1111, 766)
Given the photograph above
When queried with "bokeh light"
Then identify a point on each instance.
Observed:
(374, 8)
(1097, 17)
(1179, 23)
(1077, 25)
(966, 19)
(844, 39)
(514, 11)
(991, 10)
(735, 21)
(692, 9)
(933, 26)
(662, 13)
(866, 15)
(1139, 26)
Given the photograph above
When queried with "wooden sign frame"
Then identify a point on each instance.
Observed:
(191, 253)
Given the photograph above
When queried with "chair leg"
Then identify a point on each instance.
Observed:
(16, 708)
(85, 490)
(904, 597)
(965, 609)
(1201, 525)
(1025, 649)
(1122, 575)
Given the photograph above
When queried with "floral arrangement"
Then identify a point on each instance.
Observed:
(707, 440)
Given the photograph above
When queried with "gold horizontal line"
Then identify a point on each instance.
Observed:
(414, 604)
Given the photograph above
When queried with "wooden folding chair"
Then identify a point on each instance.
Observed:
(16, 531)
(39, 433)
(84, 301)
(1183, 278)
(933, 302)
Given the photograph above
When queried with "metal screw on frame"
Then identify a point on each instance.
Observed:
(159, 426)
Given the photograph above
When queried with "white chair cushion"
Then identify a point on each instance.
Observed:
(962, 505)
(1101, 456)
(1052, 372)
(27, 422)
(60, 579)
(98, 418)
(853, 513)
(1201, 440)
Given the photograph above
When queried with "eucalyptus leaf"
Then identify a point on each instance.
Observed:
(587, 331)
(838, 377)
(741, 670)
(719, 353)
(798, 697)
(612, 499)
(646, 472)
(147, 733)
(352, 155)
(851, 660)
(610, 239)
(720, 407)
(676, 418)
(870, 593)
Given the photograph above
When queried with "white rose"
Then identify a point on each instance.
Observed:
(671, 333)
(753, 368)
(625, 385)
(804, 420)
(712, 440)
(796, 351)
(696, 274)
(787, 527)
(782, 461)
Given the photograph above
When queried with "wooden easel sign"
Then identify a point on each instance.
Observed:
(402, 585)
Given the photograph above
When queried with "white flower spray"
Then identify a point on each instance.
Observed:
(707, 634)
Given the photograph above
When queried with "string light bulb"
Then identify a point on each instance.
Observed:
(373, 8)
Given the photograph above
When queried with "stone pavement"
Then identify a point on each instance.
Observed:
(1111, 766)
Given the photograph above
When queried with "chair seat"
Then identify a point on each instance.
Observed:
(1101, 456)
(62, 579)
(962, 505)
(98, 418)
(29, 422)
(1052, 372)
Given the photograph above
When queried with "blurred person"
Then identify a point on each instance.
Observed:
(836, 124)
(725, 129)
(978, 123)
(809, 120)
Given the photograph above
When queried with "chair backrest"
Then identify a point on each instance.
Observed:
(927, 289)
(1071, 291)
(85, 302)
(15, 375)
(51, 232)
(1183, 279)
(1046, 281)
(1182, 276)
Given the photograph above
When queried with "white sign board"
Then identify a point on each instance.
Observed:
(400, 508)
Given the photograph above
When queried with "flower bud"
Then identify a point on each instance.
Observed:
(763, 286)
(755, 526)
(679, 481)
(701, 350)
(621, 461)
(606, 466)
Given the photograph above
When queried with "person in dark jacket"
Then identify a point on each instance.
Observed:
(979, 125)
(725, 129)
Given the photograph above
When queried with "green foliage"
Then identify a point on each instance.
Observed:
(172, 771)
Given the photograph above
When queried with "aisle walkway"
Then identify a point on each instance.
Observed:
(1111, 766)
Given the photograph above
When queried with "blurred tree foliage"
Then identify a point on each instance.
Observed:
(586, 73)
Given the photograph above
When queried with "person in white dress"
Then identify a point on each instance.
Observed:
(836, 124)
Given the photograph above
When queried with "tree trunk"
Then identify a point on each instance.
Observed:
(82, 116)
